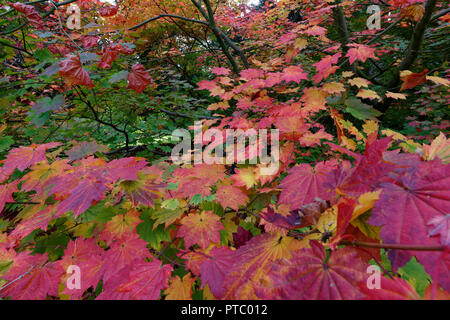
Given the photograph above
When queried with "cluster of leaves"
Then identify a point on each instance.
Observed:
(348, 192)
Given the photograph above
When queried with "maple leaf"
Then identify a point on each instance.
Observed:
(241, 237)
(250, 74)
(138, 78)
(42, 173)
(367, 94)
(142, 281)
(360, 52)
(121, 226)
(390, 289)
(413, 12)
(31, 278)
(440, 225)
(85, 149)
(305, 183)
(108, 11)
(407, 205)
(410, 80)
(37, 218)
(72, 71)
(221, 71)
(368, 171)
(24, 157)
(282, 221)
(125, 168)
(360, 110)
(310, 275)
(214, 269)
(252, 262)
(231, 196)
(30, 13)
(314, 99)
(439, 147)
(145, 189)
(48, 104)
(310, 139)
(294, 73)
(201, 229)
(85, 254)
(438, 80)
(6, 192)
(325, 67)
(396, 96)
(197, 180)
(316, 31)
(89, 41)
(81, 195)
(109, 55)
(359, 82)
(180, 289)
(333, 87)
(123, 254)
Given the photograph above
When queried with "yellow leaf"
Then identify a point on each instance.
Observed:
(348, 143)
(359, 82)
(180, 289)
(300, 43)
(368, 94)
(368, 230)
(370, 126)
(440, 147)
(396, 96)
(347, 74)
(333, 87)
(439, 80)
(365, 203)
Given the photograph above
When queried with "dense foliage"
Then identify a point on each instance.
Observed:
(86, 177)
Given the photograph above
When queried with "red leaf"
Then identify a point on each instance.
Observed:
(72, 71)
(294, 73)
(410, 80)
(405, 208)
(6, 191)
(24, 157)
(108, 11)
(33, 278)
(30, 13)
(123, 254)
(241, 237)
(214, 270)
(360, 52)
(390, 289)
(305, 183)
(89, 41)
(142, 281)
(324, 67)
(85, 254)
(309, 275)
(201, 229)
(138, 78)
(231, 196)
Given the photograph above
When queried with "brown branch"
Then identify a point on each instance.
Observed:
(166, 15)
(409, 247)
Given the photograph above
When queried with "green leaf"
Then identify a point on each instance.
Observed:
(414, 273)
(48, 104)
(5, 142)
(360, 110)
(170, 204)
(116, 77)
(196, 199)
(153, 236)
